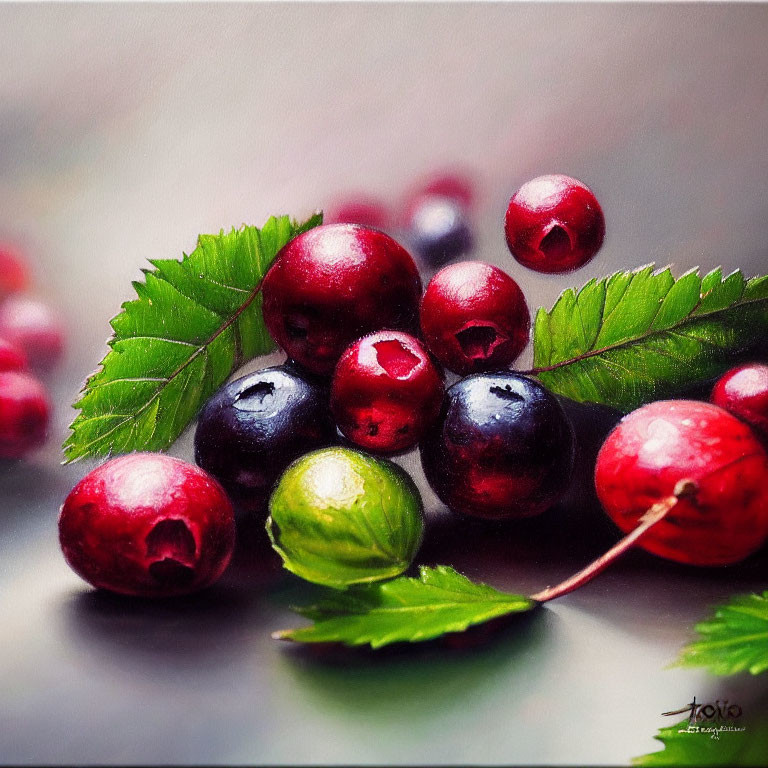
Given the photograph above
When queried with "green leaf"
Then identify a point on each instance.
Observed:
(683, 745)
(194, 322)
(639, 336)
(404, 610)
(734, 640)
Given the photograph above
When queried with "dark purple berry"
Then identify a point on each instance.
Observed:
(254, 427)
(502, 448)
(439, 229)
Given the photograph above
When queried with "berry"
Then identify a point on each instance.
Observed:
(363, 210)
(661, 444)
(24, 414)
(743, 391)
(554, 224)
(14, 275)
(255, 426)
(455, 186)
(147, 524)
(474, 317)
(11, 357)
(439, 230)
(340, 517)
(386, 391)
(332, 285)
(502, 448)
(33, 327)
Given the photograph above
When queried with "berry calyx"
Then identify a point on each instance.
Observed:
(502, 448)
(24, 414)
(474, 318)
(743, 391)
(554, 224)
(386, 392)
(657, 446)
(332, 285)
(254, 427)
(147, 524)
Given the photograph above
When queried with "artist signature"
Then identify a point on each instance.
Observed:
(715, 717)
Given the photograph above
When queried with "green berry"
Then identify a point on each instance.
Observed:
(340, 517)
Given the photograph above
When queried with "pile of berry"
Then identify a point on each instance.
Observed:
(31, 343)
(367, 355)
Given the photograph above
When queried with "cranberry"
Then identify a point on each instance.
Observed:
(657, 446)
(11, 357)
(474, 317)
(255, 426)
(451, 184)
(743, 391)
(14, 275)
(149, 525)
(386, 391)
(503, 447)
(24, 414)
(332, 285)
(363, 210)
(439, 230)
(554, 224)
(31, 325)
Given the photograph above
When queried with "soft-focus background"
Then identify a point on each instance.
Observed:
(125, 130)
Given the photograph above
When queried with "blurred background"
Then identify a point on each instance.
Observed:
(126, 130)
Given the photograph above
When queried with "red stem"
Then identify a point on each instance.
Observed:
(654, 514)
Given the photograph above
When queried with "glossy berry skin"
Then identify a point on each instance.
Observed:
(11, 357)
(24, 414)
(332, 285)
(662, 443)
(149, 525)
(474, 318)
(439, 230)
(743, 391)
(386, 392)
(14, 274)
(502, 448)
(554, 224)
(363, 210)
(255, 426)
(33, 327)
(451, 184)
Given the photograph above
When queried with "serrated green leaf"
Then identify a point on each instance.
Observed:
(685, 746)
(194, 322)
(639, 336)
(405, 609)
(734, 640)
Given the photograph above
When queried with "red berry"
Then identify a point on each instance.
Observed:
(31, 325)
(743, 391)
(663, 443)
(24, 414)
(453, 185)
(363, 210)
(474, 318)
(386, 392)
(14, 275)
(11, 357)
(332, 285)
(147, 524)
(554, 224)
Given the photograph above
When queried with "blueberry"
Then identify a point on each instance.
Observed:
(252, 428)
(439, 230)
(503, 447)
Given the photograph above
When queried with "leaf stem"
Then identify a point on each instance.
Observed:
(654, 514)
